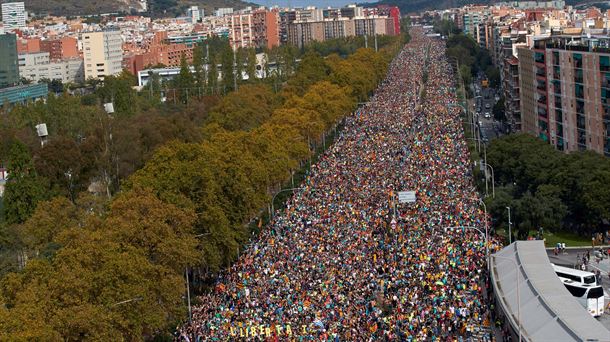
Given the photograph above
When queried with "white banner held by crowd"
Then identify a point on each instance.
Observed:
(406, 196)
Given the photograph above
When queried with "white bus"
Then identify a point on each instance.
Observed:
(583, 286)
(575, 276)
(590, 297)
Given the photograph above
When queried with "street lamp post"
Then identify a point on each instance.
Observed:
(518, 291)
(486, 225)
(188, 294)
(472, 123)
(510, 235)
(493, 179)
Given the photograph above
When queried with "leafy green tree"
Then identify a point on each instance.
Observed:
(161, 231)
(493, 74)
(199, 66)
(48, 220)
(183, 175)
(311, 69)
(244, 109)
(445, 27)
(185, 83)
(240, 61)
(212, 79)
(251, 64)
(228, 72)
(62, 163)
(24, 188)
(498, 110)
(119, 91)
(330, 100)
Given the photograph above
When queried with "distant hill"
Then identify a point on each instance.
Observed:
(410, 6)
(158, 7)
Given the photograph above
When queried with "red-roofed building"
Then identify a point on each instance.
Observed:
(29, 45)
(60, 48)
(158, 52)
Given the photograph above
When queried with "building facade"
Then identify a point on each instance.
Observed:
(23, 94)
(13, 15)
(60, 48)
(103, 54)
(39, 66)
(240, 31)
(9, 67)
(265, 29)
(570, 106)
(302, 32)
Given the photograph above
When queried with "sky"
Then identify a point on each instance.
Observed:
(304, 3)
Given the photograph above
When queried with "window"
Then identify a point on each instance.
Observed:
(579, 90)
(595, 292)
(576, 291)
(604, 63)
(589, 280)
(558, 115)
(578, 60)
(578, 76)
(560, 146)
(568, 276)
(580, 107)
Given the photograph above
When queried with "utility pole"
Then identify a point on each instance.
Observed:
(510, 235)
(235, 68)
(188, 294)
(366, 41)
(376, 49)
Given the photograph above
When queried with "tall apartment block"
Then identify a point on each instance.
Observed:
(103, 53)
(9, 66)
(240, 31)
(565, 88)
(265, 28)
(13, 15)
(301, 32)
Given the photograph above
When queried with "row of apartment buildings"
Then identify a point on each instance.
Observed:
(554, 62)
(51, 48)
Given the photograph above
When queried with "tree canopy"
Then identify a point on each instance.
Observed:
(547, 188)
(101, 222)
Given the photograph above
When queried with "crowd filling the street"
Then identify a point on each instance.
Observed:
(344, 260)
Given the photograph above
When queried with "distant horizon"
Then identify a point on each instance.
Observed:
(305, 3)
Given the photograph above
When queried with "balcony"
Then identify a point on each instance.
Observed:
(542, 100)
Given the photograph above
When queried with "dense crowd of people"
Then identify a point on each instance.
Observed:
(344, 260)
